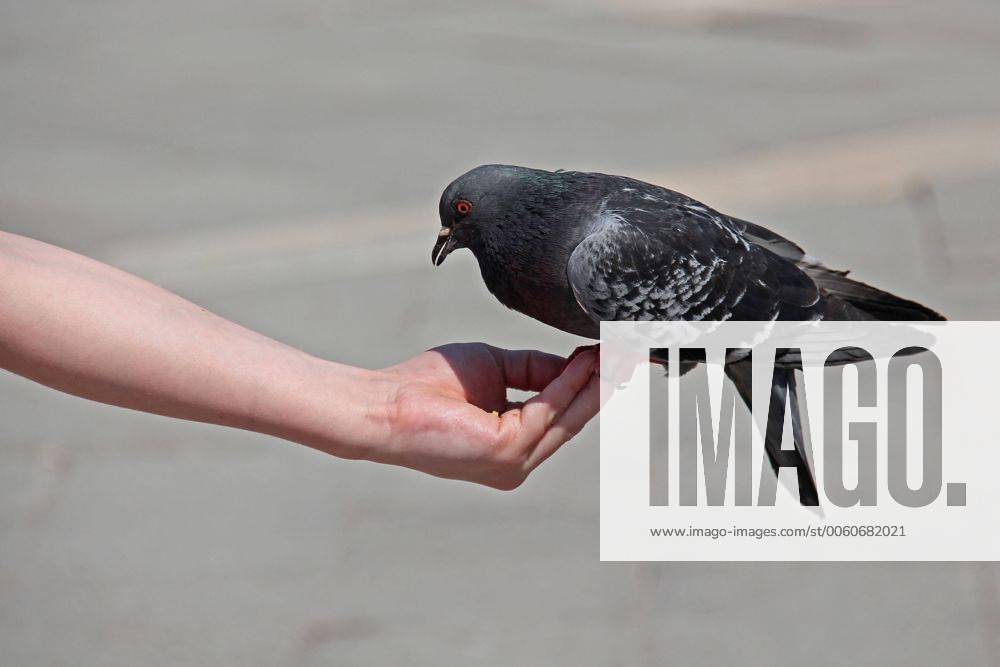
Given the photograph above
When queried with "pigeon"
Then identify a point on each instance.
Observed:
(572, 249)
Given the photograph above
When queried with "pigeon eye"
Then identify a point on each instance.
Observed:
(463, 207)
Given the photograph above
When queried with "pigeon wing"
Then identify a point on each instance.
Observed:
(673, 263)
(693, 267)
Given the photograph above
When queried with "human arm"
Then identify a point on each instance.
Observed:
(85, 328)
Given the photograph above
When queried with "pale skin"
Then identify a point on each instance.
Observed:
(85, 328)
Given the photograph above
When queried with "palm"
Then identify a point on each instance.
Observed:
(451, 408)
(467, 373)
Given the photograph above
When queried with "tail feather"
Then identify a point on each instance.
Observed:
(875, 302)
(783, 388)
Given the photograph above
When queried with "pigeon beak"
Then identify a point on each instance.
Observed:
(445, 244)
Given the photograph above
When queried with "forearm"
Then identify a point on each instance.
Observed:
(88, 329)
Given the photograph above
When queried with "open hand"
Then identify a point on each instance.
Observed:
(450, 416)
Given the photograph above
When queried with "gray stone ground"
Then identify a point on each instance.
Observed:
(280, 164)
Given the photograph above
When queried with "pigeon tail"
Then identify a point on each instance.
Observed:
(783, 389)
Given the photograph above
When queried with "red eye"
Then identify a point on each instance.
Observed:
(463, 207)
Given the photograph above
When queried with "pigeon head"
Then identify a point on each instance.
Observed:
(478, 205)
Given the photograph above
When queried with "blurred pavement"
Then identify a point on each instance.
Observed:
(280, 164)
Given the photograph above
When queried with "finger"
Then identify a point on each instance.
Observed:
(581, 349)
(530, 370)
(542, 410)
(583, 408)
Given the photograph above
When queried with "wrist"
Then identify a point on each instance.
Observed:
(338, 409)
